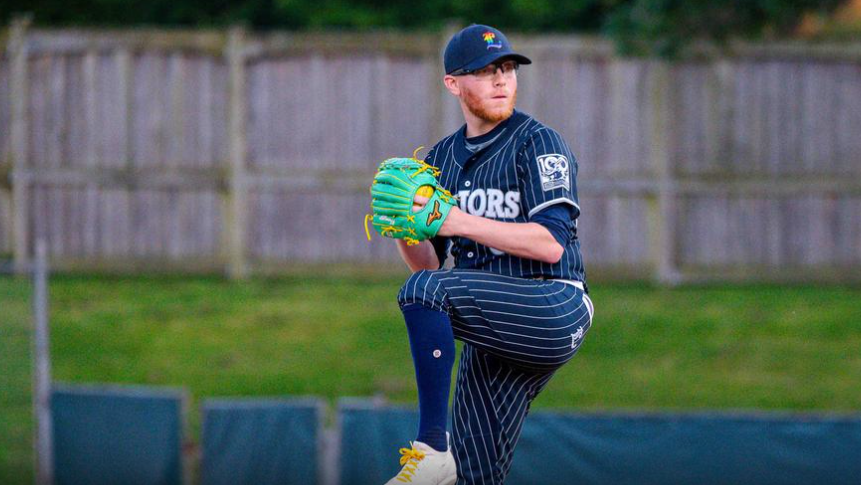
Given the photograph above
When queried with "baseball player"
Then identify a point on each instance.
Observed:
(516, 296)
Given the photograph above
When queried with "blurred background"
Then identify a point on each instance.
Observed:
(197, 172)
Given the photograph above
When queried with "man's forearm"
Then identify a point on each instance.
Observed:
(418, 257)
(526, 240)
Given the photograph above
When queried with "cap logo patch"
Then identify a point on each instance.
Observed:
(490, 37)
(554, 172)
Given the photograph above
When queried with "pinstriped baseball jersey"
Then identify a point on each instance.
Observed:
(525, 169)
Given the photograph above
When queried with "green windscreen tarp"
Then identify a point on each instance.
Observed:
(261, 442)
(117, 435)
(702, 449)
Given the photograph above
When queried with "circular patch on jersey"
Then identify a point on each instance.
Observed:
(437, 354)
(554, 172)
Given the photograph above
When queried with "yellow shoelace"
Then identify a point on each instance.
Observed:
(410, 461)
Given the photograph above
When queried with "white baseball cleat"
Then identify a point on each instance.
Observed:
(423, 465)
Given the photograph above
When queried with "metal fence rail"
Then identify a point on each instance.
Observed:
(239, 152)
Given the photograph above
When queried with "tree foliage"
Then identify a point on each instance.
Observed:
(638, 25)
(664, 26)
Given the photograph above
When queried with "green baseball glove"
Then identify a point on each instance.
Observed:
(395, 186)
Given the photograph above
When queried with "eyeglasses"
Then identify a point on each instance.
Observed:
(508, 68)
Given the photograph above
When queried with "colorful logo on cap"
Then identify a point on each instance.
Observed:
(489, 37)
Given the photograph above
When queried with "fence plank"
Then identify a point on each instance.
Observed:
(663, 211)
(6, 206)
(18, 56)
(5, 108)
(236, 209)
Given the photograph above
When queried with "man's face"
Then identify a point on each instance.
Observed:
(490, 93)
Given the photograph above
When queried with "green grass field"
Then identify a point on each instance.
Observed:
(719, 347)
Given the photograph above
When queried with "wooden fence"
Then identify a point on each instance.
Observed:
(245, 153)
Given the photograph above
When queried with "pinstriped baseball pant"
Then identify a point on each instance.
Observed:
(517, 332)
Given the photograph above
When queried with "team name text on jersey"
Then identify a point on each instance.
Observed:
(489, 203)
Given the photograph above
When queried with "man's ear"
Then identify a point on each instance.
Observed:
(451, 84)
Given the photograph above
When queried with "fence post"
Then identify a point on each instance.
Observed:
(236, 207)
(440, 95)
(663, 211)
(42, 369)
(17, 52)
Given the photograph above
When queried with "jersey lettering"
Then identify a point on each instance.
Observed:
(512, 204)
(491, 203)
(462, 196)
(494, 203)
(477, 202)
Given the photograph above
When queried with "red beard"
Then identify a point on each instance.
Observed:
(473, 103)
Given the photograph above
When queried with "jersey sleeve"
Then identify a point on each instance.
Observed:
(549, 173)
(559, 220)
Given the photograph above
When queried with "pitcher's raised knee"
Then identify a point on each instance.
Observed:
(427, 288)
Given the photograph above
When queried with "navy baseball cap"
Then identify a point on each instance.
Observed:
(477, 46)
